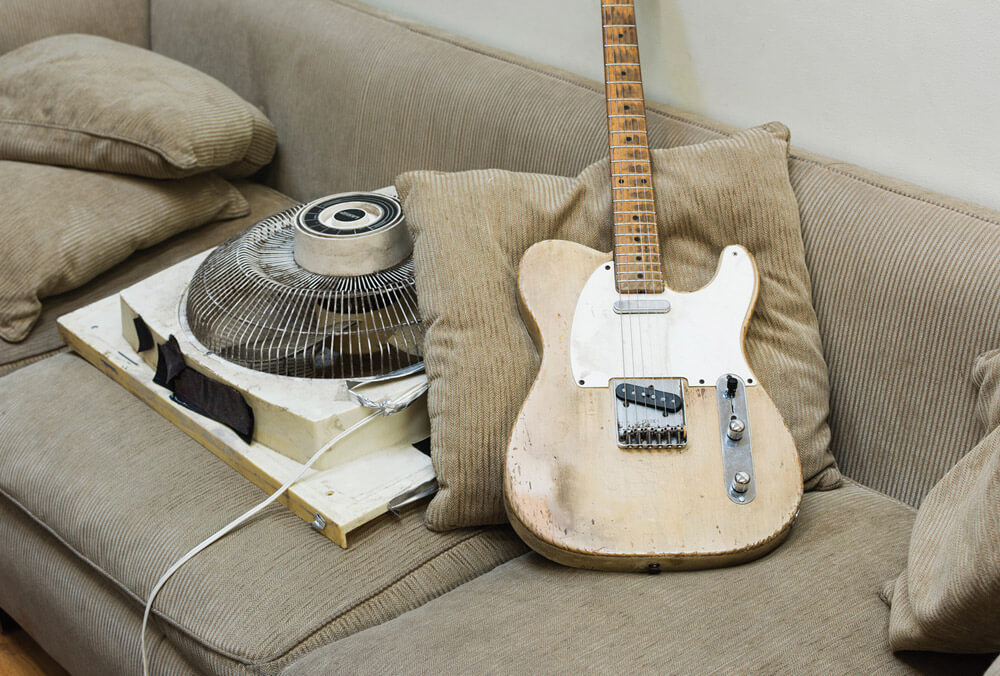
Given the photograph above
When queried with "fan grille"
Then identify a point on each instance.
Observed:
(250, 303)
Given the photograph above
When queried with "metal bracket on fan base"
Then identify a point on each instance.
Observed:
(734, 428)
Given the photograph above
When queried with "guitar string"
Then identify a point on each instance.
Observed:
(607, 15)
(634, 345)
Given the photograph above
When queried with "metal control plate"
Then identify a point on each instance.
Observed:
(736, 453)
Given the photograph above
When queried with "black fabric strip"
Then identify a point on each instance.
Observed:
(201, 394)
(169, 363)
(144, 334)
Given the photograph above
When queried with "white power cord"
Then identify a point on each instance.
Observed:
(274, 496)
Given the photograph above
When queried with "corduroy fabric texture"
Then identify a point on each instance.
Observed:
(902, 278)
(811, 607)
(128, 493)
(948, 598)
(25, 21)
(60, 602)
(50, 245)
(470, 230)
(906, 290)
(44, 337)
(92, 103)
(402, 96)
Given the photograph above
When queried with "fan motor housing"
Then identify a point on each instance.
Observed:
(351, 234)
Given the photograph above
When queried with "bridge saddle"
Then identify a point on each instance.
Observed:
(649, 412)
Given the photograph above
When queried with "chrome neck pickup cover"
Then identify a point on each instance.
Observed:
(649, 412)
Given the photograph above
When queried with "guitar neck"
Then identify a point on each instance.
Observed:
(636, 245)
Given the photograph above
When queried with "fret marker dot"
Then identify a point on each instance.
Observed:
(621, 180)
(628, 138)
(643, 180)
(626, 107)
(635, 218)
(637, 239)
(623, 72)
(639, 275)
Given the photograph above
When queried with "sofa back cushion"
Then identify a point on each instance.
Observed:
(901, 277)
(25, 21)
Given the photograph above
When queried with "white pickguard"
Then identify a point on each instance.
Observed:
(699, 339)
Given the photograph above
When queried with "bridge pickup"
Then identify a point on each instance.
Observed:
(649, 413)
(630, 393)
(641, 306)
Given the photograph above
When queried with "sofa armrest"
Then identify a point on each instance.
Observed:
(906, 291)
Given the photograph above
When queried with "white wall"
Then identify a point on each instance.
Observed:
(910, 88)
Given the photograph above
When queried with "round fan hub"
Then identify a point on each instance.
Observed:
(351, 234)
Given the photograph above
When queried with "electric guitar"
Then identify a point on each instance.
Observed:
(646, 442)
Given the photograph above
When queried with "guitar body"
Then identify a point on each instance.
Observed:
(580, 497)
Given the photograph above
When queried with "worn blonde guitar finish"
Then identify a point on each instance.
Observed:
(646, 442)
(577, 497)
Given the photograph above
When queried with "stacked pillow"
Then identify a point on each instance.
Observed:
(106, 148)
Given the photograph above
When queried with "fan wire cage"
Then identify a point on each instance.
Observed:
(250, 303)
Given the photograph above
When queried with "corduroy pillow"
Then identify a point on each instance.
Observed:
(948, 598)
(92, 103)
(470, 230)
(61, 227)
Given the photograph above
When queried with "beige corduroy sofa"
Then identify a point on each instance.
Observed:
(98, 494)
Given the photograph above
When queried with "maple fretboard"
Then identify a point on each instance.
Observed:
(636, 245)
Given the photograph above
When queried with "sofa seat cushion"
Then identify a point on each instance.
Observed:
(44, 337)
(810, 607)
(128, 494)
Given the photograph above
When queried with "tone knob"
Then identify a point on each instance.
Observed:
(741, 482)
(736, 429)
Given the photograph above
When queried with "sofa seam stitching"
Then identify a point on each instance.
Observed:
(247, 661)
(869, 489)
(381, 590)
(114, 580)
(167, 156)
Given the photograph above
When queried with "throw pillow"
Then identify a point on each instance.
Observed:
(470, 230)
(62, 227)
(89, 102)
(948, 598)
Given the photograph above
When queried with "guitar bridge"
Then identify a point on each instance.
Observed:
(649, 412)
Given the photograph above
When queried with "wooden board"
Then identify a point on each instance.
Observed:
(345, 495)
(578, 498)
(295, 416)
